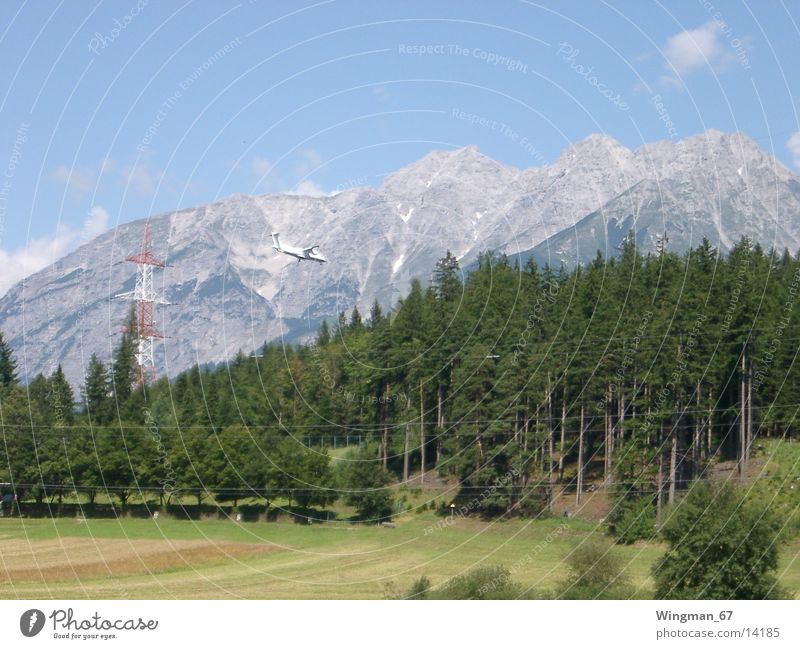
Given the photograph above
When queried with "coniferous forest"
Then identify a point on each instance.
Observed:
(517, 385)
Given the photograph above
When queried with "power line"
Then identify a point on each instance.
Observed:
(280, 490)
(226, 429)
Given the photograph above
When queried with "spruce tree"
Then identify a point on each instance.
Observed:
(447, 278)
(96, 391)
(61, 398)
(123, 367)
(324, 335)
(375, 315)
(8, 366)
(356, 323)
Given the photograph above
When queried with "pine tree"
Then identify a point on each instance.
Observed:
(365, 482)
(637, 372)
(96, 392)
(382, 378)
(61, 398)
(8, 366)
(408, 357)
(123, 366)
(324, 335)
(356, 324)
(447, 278)
(375, 315)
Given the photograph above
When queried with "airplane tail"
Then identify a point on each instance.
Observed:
(276, 242)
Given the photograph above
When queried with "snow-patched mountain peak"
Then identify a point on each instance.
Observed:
(595, 152)
(594, 142)
(714, 185)
(446, 168)
(230, 290)
(712, 152)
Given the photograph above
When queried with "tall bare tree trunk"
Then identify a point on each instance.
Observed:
(613, 425)
(384, 421)
(439, 407)
(439, 420)
(660, 471)
(749, 439)
(550, 445)
(540, 444)
(742, 422)
(673, 464)
(579, 490)
(563, 435)
(621, 420)
(525, 424)
(405, 454)
(421, 434)
(609, 439)
(696, 442)
(710, 434)
(479, 444)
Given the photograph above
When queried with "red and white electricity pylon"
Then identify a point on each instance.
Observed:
(144, 300)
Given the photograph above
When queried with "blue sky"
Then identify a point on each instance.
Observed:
(112, 111)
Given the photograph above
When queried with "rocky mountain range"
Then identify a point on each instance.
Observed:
(229, 290)
(716, 186)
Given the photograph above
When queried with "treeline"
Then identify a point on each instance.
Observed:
(635, 373)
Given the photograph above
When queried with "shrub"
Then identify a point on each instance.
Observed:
(420, 589)
(364, 484)
(490, 582)
(595, 571)
(721, 545)
(632, 520)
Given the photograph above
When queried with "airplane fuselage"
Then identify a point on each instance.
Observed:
(301, 254)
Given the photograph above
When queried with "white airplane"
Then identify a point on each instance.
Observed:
(301, 254)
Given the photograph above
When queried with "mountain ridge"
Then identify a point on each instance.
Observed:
(230, 290)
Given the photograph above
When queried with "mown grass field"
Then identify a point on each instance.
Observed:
(223, 559)
(166, 558)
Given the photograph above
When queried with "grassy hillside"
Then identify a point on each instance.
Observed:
(221, 559)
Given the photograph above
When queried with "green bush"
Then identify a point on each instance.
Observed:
(420, 589)
(632, 520)
(364, 485)
(721, 545)
(490, 582)
(595, 571)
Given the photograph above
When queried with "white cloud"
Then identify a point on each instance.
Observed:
(308, 188)
(78, 182)
(142, 178)
(711, 47)
(694, 48)
(307, 161)
(39, 253)
(670, 82)
(793, 145)
(260, 166)
(96, 222)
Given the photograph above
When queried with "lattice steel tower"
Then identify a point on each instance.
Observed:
(144, 300)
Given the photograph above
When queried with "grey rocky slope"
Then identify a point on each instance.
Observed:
(229, 290)
(717, 186)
